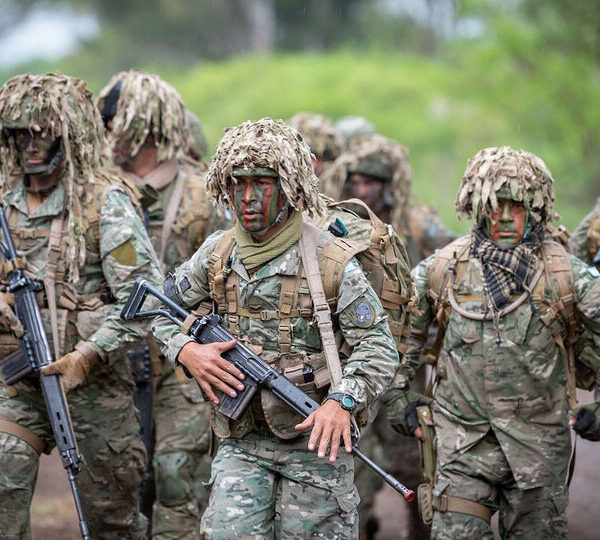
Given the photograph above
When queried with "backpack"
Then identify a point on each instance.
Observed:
(558, 311)
(382, 256)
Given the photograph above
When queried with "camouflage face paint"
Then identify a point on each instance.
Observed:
(36, 152)
(506, 225)
(256, 200)
(364, 187)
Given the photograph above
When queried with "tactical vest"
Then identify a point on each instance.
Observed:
(557, 310)
(63, 302)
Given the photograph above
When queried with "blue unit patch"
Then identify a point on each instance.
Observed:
(364, 314)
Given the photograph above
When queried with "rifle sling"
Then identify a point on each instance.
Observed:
(54, 253)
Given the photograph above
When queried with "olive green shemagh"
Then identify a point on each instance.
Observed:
(56, 106)
(267, 144)
(147, 105)
(319, 133)
(523, 174)
(373, 155)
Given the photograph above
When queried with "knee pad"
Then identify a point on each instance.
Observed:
(173, 479)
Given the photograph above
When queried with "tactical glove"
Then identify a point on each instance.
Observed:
(588, 421)
(8, 319)
(402, 410)
(73, 368)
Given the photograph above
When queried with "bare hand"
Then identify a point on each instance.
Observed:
(419, 434)
(330, 424)
(572, 420)
(210, 369)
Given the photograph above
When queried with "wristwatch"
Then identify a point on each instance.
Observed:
(346, 402)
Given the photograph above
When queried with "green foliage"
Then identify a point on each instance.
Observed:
(444, 112)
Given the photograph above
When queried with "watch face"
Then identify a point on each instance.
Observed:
(348, 402)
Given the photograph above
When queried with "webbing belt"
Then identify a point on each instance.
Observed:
(447, 503)
(24, 434)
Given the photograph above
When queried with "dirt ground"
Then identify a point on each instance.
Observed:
(54, 518)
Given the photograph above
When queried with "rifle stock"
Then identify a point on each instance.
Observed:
(258, 372)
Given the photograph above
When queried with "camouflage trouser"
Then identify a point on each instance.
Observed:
(107, 430)
(181, 458)
(399, 456)
(264, 488)
(483, 475)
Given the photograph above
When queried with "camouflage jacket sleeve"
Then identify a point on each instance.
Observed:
(363, 323)
(126, 254)
(194, 274)
(578, 240)
(420, 323)
(587, 285)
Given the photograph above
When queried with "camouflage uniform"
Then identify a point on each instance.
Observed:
(422, 232)
(585, 240)
(264, 482)
(501, 407)
(179, 216)
(323, 139)
(102, 250)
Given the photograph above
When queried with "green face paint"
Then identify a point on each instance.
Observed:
(37, 152)
(257, 201)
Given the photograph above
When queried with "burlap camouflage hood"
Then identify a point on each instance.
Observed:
(378, 156)
(147, 105)
(318, 132)
(521, 173)
(267, 144)
(57, 106)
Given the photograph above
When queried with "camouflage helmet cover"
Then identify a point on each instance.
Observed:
(146, 106)
(272, 145)
(54, 105)
(198, 142)
(351, 127)
(318, 132)
(373, 155)
(522, 174)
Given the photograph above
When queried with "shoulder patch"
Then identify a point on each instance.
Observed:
(125, 254)
(363, 313)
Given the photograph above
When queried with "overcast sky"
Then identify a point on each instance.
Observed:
(48, 33)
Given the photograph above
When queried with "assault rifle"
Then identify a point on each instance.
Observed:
(209, 330)
(32, 356)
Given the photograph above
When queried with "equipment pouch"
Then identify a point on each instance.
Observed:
(425, 500)
(14, 366)
(428, 446)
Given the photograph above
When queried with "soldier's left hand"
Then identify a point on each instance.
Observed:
(330, 425)
(586, 421)
(73, 367)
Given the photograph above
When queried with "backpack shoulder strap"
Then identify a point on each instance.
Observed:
(218, 269)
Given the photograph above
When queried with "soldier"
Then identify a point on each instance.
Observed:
(265, 483)
(149, 136)
(516, 311)
(376, 170)
(324, 141)
(351, 127)
(198, 144)
(82, 238)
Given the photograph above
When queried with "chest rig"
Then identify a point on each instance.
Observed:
(552, 293)
(59, 296)
(299, 297)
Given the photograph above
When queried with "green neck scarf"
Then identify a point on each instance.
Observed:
(254, 254)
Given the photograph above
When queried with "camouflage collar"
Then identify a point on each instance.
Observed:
(53, 205)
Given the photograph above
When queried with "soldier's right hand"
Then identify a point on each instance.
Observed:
(8, 319)
(210, 369)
